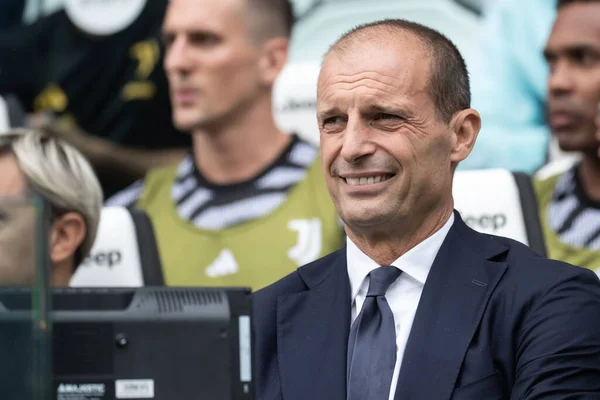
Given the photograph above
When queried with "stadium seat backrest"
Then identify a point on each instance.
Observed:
(318, 29)
(4, 117)
(124, 253)
(499, 202)
(12, 113)
(295, 100)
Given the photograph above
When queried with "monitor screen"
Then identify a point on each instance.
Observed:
(157, 343)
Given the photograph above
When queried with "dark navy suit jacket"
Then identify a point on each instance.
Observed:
(495, 321)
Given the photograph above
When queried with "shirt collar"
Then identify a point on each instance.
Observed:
(416, 262)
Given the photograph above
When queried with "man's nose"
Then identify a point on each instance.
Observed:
(357, 142)
(561, 79)
(177, 56)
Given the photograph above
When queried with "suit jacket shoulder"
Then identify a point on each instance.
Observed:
(542, 321)
(538, 273)
(521, 325)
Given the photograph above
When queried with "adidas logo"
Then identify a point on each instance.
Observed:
(223, 265)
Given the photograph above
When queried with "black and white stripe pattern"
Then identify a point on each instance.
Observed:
(214, 207)
(126, 197)
(572, 215)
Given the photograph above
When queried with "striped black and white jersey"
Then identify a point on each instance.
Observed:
(573, 216)
(212, 206)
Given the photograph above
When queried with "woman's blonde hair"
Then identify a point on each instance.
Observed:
(59, 173)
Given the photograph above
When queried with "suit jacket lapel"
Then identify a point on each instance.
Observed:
(460, 282)
(313, 328)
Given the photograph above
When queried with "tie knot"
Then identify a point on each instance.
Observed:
(381, 279)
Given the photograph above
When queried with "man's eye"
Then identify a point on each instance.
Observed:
(204, 39)
(584, 57)
(384, 116)
(168, 40)
(589, 59)
(332, 120)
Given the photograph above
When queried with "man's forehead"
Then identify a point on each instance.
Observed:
(201, 14)
(378, 36)
(390, 67)
(13, 181)
(576, 24)
(388, 51)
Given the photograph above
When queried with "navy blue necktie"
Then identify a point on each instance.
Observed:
(372, 342)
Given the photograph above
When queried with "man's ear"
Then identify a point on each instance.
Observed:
(465, 127)
(273, 59)
(67, 233)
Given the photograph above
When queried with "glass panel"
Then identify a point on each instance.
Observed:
(25, 328)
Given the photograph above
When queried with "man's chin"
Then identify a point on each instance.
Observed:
(188, 125)
(183, 124)
(574, 142)
(367, 219)
(199, 122)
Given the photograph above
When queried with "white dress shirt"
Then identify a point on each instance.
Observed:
(403, 295)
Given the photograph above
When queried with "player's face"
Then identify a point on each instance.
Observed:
(573, 54)
(385, 154)
(17, 226)
(211, 63)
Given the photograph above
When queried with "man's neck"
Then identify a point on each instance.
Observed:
(240, 150)
(385, 247)
(589, 175)
(61, 274)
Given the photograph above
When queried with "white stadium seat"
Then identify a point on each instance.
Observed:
(4, 118)
(499, 202)
(12, 113)
(124, 253)
(318, 29)
(295, 100)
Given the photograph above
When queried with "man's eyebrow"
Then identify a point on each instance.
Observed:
(389, 108)
(328, 112)
(382, 108)
(571, 50)
(581, 48)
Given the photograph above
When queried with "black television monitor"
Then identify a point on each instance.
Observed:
(158, 343)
